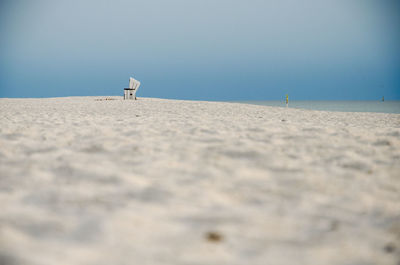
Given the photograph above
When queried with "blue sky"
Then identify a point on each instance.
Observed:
(203, 50)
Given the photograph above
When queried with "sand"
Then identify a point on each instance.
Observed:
(155, 181)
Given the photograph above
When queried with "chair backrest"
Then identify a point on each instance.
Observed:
(137, 84)
(131, 82)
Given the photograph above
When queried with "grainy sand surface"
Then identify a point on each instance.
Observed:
(155, 181)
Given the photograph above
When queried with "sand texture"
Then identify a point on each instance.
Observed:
(154, 181)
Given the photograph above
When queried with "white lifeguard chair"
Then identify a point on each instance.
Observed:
(130, 93)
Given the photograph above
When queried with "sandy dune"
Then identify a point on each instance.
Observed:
(154, 181)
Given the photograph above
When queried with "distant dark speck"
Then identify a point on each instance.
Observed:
(389, 248)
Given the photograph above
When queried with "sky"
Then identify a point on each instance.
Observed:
(202, 49)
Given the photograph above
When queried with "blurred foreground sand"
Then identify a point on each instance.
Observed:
(153, 181)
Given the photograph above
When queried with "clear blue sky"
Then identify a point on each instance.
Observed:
(202, 49)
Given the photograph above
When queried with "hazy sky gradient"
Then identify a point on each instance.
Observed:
(212, 50)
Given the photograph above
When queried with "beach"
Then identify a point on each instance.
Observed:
(101, 180)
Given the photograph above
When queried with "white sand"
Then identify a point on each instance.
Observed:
(143, 182)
